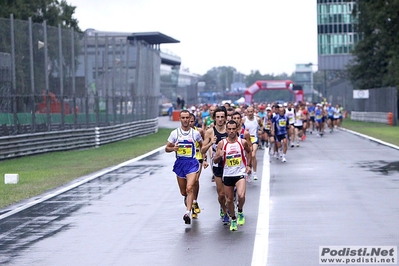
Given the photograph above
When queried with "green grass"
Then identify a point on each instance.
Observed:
(40, 173)
(383, 132)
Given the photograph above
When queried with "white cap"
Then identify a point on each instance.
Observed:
(193, 108)
(268, 108)
(285, 104)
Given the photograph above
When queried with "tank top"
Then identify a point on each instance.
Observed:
(186, 143)
(298, 119)
(219, 137)
(234, 161)
(290, 115)
(198, 153)
(252, 126)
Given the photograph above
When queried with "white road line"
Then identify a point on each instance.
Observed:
(261, 246)
(91, 177)
(371, 138)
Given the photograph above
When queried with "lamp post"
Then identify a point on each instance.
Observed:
(311, 79)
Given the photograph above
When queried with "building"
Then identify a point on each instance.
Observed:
(336, 38)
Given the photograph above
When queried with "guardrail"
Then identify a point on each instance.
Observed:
(377, 117)
(36, 143)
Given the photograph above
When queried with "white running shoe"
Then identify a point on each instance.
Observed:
(255, 177)
(283, 160)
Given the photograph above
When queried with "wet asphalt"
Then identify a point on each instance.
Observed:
(340, 189)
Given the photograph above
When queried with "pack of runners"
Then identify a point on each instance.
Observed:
(228, 138)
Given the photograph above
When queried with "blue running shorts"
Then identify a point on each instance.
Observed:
(183, 167)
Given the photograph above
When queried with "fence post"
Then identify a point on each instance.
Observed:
(390, 119)
(14, 75)
(97, 136)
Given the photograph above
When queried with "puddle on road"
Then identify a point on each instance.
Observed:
(382, 167)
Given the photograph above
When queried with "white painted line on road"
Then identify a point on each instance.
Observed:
(371, 138)
(261, 246)
(74, 185)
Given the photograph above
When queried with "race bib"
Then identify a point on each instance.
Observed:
(282, 123)
(232, 162)
(291, 119)
(185, 151)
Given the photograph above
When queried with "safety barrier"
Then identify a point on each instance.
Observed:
(377, 117)
(36, 143)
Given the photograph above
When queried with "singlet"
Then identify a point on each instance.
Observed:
(311, 110)
(337, 113)
(298, 119)
(291, 115)
(208, 122)
(280, 124)
(198, 153)
(319, 114)
(186, 142)
(219, 137)
(234, 160)
(252, 126)
(265, 124)
(330, 111)
(242, 132)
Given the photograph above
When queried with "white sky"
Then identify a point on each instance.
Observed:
(266, 35)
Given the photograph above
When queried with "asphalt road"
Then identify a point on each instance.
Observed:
(340, 189)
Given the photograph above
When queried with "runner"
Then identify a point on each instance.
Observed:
(290, 113)
(202, 159)
(298, 124)
(212, 137)
(311, 111)
(281, 126)
(235, 165)
(319, 120)
(182, 142)
(252, 124)
(242, 133)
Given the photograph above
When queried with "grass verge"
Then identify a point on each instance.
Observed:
(40, 173)
(380, 131)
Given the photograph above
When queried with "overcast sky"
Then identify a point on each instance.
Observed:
(266, 35)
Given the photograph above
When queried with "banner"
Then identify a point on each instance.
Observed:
(360, 94)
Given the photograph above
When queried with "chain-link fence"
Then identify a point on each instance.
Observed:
(55, 79)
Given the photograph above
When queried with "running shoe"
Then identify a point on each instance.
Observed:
(276, 156)
(255, 177)
(292, 145)
(233, 225)
(194, 215)
(226, 219)
(297, 144)
(196, 207)
(303, 137)
(187, 219)
(221, 213)
(283, 160)
(241, 218)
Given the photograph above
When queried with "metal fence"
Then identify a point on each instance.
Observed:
(382, 100)
(56, 79)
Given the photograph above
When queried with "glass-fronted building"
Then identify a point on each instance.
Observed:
(336, 33)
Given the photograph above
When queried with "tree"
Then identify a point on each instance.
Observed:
(376, 62)
(53, 11)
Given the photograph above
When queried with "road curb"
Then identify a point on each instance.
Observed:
(371, 138)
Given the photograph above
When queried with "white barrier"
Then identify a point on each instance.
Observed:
(377, 117)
